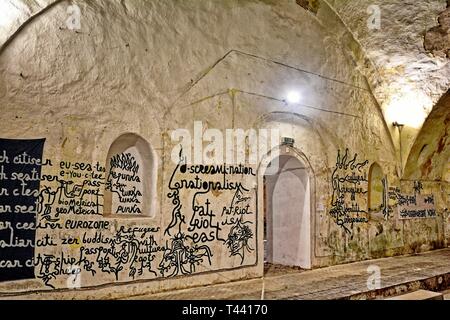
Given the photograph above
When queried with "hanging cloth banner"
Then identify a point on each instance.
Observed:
(20, 171)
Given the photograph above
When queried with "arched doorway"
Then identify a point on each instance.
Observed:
(287, 211)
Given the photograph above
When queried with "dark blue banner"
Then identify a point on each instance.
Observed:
(20, 171)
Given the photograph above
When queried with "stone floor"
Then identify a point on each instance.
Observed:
(348, 281)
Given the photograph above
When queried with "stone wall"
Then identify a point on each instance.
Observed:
(120, 206)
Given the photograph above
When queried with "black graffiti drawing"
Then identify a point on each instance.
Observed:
(125, 248)
(217, 169)
(68, 198)
(406, 199)
(417, 213)
(418, 187)
(86, 224)
(182, 259)
(49, 266)
(74, 190)
(174, 195)
(124, 181)
(417, 205)
(203, 226)
(348, 180)
(239, 196)
(128, 250)
(198, 183)
(240, 233)
(407, 202)
(239, 206)
(429, 199)
(134, 252)
(130, 253)
(393, 195)
(126, 162)
(238, 239)
(132, 249)
(385, 207)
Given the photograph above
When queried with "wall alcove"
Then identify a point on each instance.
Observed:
(131, 178)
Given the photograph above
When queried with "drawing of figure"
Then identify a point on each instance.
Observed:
(238, 238)
(179, 255)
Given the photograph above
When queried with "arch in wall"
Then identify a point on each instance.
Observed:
(376, 180)
(286, 183)
(316, 134)
(27, 12)
(430, 152)
(318, 148)
(131, 177)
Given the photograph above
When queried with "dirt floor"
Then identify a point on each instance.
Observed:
(278, 269)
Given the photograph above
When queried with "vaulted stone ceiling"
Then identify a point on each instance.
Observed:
(396, 48)
(15, 14)
(404, 57)
(409, 66)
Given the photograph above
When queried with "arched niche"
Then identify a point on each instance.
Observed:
(131, 178)
(375, 187)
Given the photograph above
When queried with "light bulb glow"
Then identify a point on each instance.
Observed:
(293, 97)
(409, 108)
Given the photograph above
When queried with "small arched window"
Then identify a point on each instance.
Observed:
(130, 177)
(376, 187)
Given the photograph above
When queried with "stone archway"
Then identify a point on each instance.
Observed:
(287, 210)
